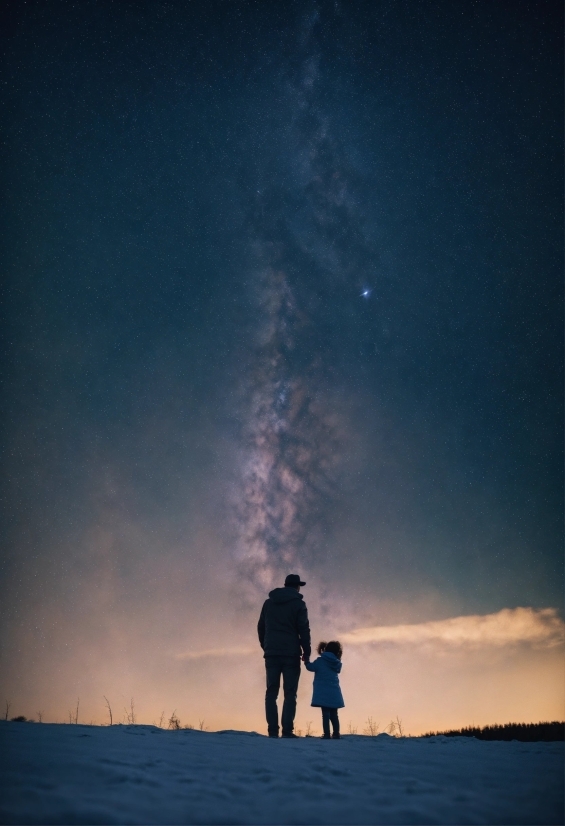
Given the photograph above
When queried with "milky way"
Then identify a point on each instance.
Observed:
(306, 245)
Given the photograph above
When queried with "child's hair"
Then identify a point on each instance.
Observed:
(333, 647)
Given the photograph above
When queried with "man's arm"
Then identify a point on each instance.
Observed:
(304, 630)
(261, 627)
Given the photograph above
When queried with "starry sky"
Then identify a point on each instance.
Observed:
(284, 294)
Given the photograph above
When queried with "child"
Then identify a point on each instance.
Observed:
(327, 693)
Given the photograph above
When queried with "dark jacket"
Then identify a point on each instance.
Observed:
(283, 626)
(326, 682)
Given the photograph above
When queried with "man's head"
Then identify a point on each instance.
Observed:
(293, 581)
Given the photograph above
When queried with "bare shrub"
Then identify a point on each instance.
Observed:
(109, 709)
(39, 716)
(395, 728)
(8, 706)
(201, 726)
(20, 719)
(174, 722)
(188, 726)
(161, 718)
(351, 728)
(130, 715)
(371, 727)
(73, 715)
(399, 727)
(309, 731)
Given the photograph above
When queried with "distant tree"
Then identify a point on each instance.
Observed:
(526, 732)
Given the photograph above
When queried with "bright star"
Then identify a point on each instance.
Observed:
(366, 293)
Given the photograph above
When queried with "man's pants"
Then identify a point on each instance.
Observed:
(289, 667)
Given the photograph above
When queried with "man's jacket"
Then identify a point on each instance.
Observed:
(283, 625)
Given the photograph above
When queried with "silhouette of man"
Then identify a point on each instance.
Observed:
(284, 634)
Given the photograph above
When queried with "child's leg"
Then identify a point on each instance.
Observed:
(326, 720)
(335, 721)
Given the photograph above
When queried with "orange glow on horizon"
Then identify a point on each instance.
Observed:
(497, 668)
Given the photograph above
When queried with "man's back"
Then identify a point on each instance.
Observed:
(283, 626)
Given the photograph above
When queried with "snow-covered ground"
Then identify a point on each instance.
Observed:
(68, 774)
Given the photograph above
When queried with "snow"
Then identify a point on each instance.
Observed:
(67, 774)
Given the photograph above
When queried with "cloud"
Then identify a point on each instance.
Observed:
(540, 628)
(216, 652)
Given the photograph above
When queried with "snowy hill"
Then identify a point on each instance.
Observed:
(70, 774)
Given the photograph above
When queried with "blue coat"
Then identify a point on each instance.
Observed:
(326, 682)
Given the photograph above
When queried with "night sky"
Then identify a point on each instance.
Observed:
(284, 294)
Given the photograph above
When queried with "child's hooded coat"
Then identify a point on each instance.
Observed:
(326, 682)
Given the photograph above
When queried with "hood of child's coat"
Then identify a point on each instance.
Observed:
(331, 660)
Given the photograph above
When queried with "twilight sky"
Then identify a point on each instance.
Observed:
(284, 295)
